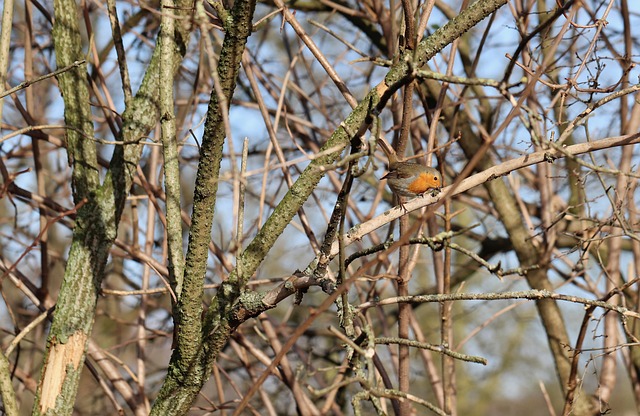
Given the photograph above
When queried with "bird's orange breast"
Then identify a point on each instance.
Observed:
(423, 183)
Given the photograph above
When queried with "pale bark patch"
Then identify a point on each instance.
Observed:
(60, 356)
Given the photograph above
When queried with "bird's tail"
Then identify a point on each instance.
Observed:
(388, 150)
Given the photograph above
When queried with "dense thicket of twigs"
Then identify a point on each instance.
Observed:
(514, 289)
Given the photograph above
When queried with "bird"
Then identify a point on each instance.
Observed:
(407, 179)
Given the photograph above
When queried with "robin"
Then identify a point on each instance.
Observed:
(407, 179)
(412, 179)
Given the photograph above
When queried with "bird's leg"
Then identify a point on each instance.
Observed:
(401, 203)
(433, 192)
